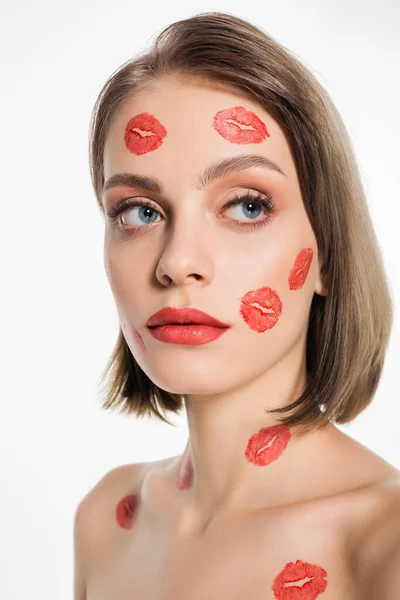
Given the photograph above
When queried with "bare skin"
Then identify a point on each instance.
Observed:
(343, 520)
(241, 515)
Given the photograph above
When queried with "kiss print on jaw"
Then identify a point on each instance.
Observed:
(267, 445)
(149, 135)
(300, 581)
(261, 309)
(240, 126)
(185, 474)
(127, 511)
(299, 272)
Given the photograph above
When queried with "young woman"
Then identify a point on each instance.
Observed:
(251, 292)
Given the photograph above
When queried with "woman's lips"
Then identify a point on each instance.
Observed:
(289, 584)
(262, 449)
(191, 335)
(233, 132)
(138, 143)
(261, 309)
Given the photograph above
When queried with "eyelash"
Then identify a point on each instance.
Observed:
(128, 203)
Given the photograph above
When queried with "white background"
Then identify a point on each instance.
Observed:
(58, 320)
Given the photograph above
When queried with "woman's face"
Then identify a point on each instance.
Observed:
(252, 266)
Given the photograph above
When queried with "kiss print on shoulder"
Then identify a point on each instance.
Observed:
(261, 309)
(300, 581)
(185, 474)
(267, 445)
(127, 511)
(144, 133)
(299, 272)
(240, 126)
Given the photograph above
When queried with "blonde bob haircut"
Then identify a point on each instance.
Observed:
(349, 328)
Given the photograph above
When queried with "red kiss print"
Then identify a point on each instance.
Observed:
(248, 129)
(185, 474)
(299, 272)
(262, 449)
(261, 309)
(290, 584)
(127, 511)
(140, 143)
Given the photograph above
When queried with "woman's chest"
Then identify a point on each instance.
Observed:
(261, 559)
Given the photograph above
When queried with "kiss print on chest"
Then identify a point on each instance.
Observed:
(127, 511)
(144, 133)
(300, 581)
(267, 445)
(185, 474)
(299, 271)
(261, 309)
(240, 126)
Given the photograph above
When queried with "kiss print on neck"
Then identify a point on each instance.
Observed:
(261, 309)
(300, 581)
(267, 445)
(299, 272)
(127, 511)
(185, 474)
(149, 135)
(240, 126)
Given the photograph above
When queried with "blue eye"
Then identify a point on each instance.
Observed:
(253, 206)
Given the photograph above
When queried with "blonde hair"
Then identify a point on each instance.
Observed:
(349, 329)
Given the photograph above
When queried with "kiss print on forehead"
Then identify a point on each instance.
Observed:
(127, 511)
(261, 309)
(299, 272)
(144, 133)
(185, 474)
(240, 126)
(300, 581)
(267, 445)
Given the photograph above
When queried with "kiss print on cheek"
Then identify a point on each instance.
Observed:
(261, 309)
(299, 272)
(149, 135)
(132, 335)
(127, 511)
(267, 445)
(185, 474)
(240, 126)
(300, 581)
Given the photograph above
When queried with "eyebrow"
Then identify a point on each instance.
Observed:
(209, 175)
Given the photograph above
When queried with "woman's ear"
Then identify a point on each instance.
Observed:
(320, 287)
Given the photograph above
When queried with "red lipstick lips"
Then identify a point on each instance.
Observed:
(137, 143)
(290, 584)
(261, 309)
(187, 326)
(268, 444)
(233, 132)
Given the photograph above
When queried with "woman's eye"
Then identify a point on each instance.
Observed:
(245, 211)
(140, 215)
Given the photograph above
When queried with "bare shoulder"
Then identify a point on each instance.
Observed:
(93, 537)
(380, 543)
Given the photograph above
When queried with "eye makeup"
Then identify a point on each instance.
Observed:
(253, 199)
(144, 133)
(240, 126)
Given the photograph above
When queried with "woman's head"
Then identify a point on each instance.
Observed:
(194, 250)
